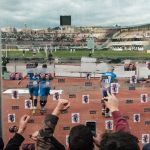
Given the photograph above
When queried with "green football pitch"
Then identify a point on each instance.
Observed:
(103, 54)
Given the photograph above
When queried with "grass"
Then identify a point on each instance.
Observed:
(80, 53)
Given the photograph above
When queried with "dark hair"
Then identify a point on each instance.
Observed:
(80, 138)
(1, 143)
(44, 66)
(36, 64)
(119, 141)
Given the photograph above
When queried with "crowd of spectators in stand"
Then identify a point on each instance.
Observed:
(21, 38)
(80, 136)
(56, 38)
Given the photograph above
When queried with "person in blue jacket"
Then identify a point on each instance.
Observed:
(44, 86)
(33, 86)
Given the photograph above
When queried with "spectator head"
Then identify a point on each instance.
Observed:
(47, 76)
(80, 138)
(119, 141)
(36, 64)
(44, 66)
(146, 147)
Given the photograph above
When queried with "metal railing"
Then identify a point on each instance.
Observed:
(1, 100)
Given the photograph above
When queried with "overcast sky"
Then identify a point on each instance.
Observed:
(46, 13)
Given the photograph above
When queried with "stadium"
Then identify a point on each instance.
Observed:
(87, 69)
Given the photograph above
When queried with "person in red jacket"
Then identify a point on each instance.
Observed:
(121, 139)
(120, 123)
